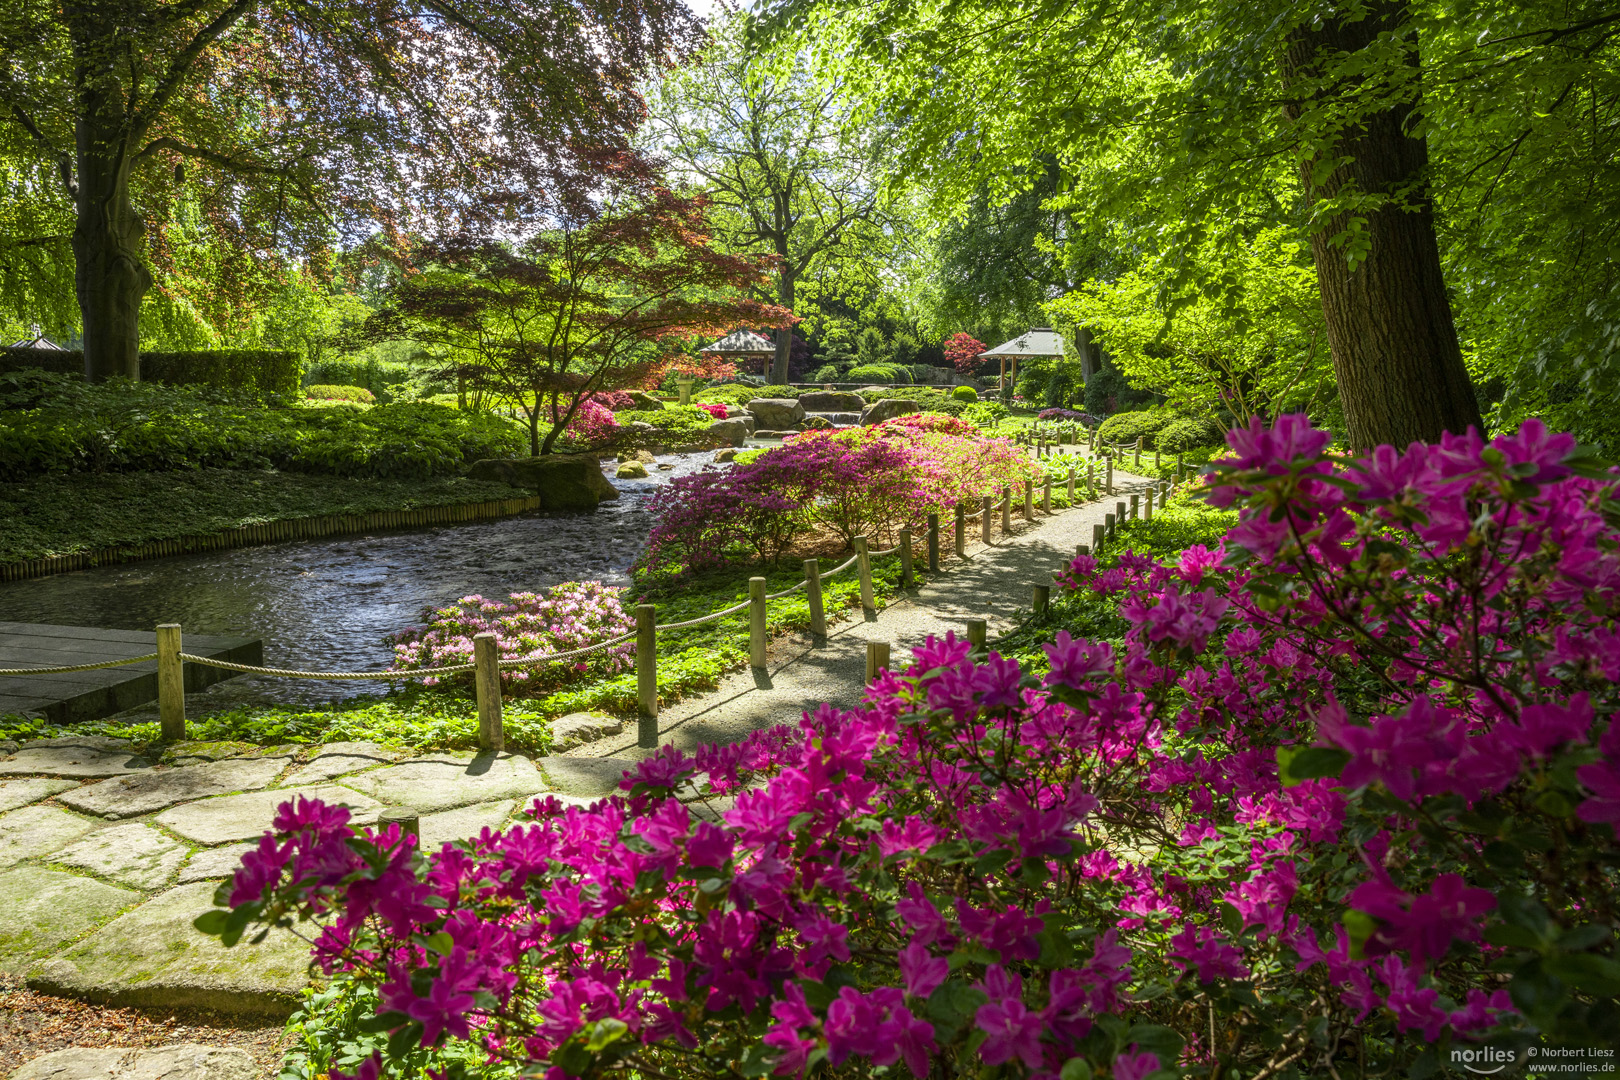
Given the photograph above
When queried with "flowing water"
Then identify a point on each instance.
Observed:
(326, 604)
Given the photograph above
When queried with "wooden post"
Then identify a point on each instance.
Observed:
(1029, 500)
(1155, 459)
(487, 682)
(756, 622)
(877, 658)
(812, 593)
(933, 543)
(985, 522)
(1091, 479)
(1081, 549)
(1098, 535)
(1046, 496)
(961, 531)
(1041, 597)
(1108, 477)
(1147, 506)
(975, 634)
(1108, 525)
(1006, 510)
(863, 566)
(1136, 457)
(906, 581)
(1119, 512)
(1136, 507)
(171, 679)
(406, 817)
(1071, 486)
(646, 676)
(1091, 439)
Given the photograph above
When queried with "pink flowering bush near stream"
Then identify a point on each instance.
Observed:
(1344, 799)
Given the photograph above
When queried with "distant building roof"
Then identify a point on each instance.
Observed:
(38, 341)
(1040, 341)
(742, 343)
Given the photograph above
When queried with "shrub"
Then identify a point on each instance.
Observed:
(671, 424)
(1129, 426)
(714, 409)
(57, 361)
(965, 393)
(729, 394)
(878, 373)
(1348, 792)
(614, 400)
(569, 616)
(962, 353)
(1065, 415)
(985, 413)
(778, 391)
(1187, 432)
(827, 373)
(381, 376)
(254, 371)
(339, 393)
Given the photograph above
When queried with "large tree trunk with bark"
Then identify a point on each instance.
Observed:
(110, 274)
(1400, 370)
(784, 335)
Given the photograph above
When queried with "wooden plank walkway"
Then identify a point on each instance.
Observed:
(90, 695)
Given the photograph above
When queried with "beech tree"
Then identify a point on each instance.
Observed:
(789, 170)
(1190, 121)
(599, 299)
(294, 122)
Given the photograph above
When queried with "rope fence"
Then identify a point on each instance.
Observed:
(487, 664)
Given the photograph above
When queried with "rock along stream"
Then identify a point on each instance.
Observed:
(326, 604)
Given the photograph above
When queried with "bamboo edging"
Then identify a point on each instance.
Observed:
(272, 532)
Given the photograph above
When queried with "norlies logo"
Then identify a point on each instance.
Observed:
(1484, 1060)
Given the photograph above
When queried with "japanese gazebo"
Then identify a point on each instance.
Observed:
(1039, 341)
(740, 345)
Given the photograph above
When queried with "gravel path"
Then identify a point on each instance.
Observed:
(992, 583)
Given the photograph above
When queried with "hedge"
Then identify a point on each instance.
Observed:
(258, 371)
(323, 392)
(879, 373)
(62, 361)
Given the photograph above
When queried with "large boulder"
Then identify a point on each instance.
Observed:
(735, 411)
(888, 409)
(818, 423)
(776, 414)
(729, 431)
(631, 470)
(563, 481)
(832, 401)
(644, 400)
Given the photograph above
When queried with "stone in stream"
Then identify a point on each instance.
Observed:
(631, 470)
(177, 1061)
(135, 855)
(824, 401)
(887, 409)
(731, 431)
(563, 481)
(129, 796)
(818, 423)
(444, 781)
(577, 729)
(723, 456)
(76, 757)
(40, 910)
(338, 759)
(15, 793)
(777, 414)
(153, 956)
(247, 816)
(38, 830)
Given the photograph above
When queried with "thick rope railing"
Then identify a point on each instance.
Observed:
(77, 667)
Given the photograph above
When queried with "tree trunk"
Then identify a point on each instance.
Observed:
(1389, 322)
(108, 238)
(1082, 344)
(784, 335)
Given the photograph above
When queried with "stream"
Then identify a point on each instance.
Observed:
(326, 604)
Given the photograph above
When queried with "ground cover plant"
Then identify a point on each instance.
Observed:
(61, 424)
(1296, 824)
(65, 514)
(859, 481)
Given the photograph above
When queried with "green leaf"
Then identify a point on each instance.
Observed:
(605, 1033)
(211, 923)
(387, 1021)
(403, 1041)
(1360, 926)
(1310, 763)
(440, 943)
(1584, 971)
(1075, 1069)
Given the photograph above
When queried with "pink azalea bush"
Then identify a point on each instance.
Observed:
(1342, 799)
(592, 423)
(865, 481)
(714, 409)
(565, 617)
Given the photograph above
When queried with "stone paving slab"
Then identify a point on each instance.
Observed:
(213, 864)
(136, 855)
(15, 793)
(41, 910)
(443, 782)
(154, 956)
(588, 777)
(180, 1061)
(38, 830)
(340, 759)
(131, 796)
(463, 823)
(247, 816)
(79, 757)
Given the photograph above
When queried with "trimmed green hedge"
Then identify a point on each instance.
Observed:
(879, 373)
(965, 393)
(1129, 426)
(1186, 432)
(320, 392)
(61, 361)
(256, 371)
